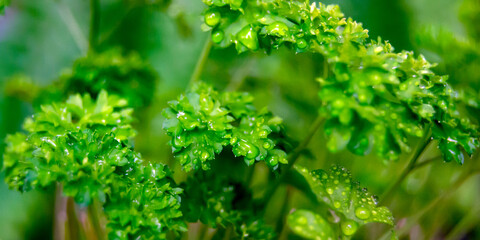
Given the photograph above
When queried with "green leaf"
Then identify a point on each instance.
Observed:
(82, 145)
(202, 121)
(250, 139)
(198, 125)
(107, 113)
(310, 225)
(391, 97)
(126, 75)
(223, 203)
(354, 204)
(22, 87)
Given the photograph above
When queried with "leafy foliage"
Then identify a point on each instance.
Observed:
(106, 113)
(310, 225)
(354, 205)
(461, 64)
(81, 144)
(125, 75)
(390, 96)
(221, 203)
(203, 121)
(144, 202)
(22, 87)
(3, 4)
(372, 98)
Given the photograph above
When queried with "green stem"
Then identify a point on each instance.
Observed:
(60, 214)
(108, 34)
(202, 231)
(468, 222)
(303, 145)
(293, 157)
(389, 193)
(72, 26)
(250, 174)
(94, 24)
(94, 214)
(201, 62)
(325, 69)
(426, 162)
(284, 211)
(415, 218)
(74, 229)
(228, 233)
(238, 78)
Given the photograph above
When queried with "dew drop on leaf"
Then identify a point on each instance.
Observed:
(362, 213)
(349, 227)
(248, 37)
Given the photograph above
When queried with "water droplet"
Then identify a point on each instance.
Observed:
(302, 43)
(278, 29)
(218, 36)
(263, 134)
(302, 220)
(336, 204)
(338, 103)
(248, 37)
(349, 227)
(205, 155)
(267, 145)
(212, 18)
(273, 160)
(250, 150)
(329, 191)
(362, 213)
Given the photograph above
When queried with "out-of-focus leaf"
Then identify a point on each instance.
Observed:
(22, 87)
(3, 4)
(126, 75)
(310, 225)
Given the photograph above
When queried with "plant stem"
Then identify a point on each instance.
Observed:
(109, 33)
(72, 26)
(284, 210)
(94, 24)
(387, 196)
(203, 228)
(250, 174)
(415, 218)
(228, 233)
(94, 214)
(303, 145)
(240, 75)
(426, 162)
(85, 223)
(60, 214)
(73, 224)
(201, 61)
(292, 158)
(468, 222)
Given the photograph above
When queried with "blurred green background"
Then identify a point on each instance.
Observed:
(40, 39)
